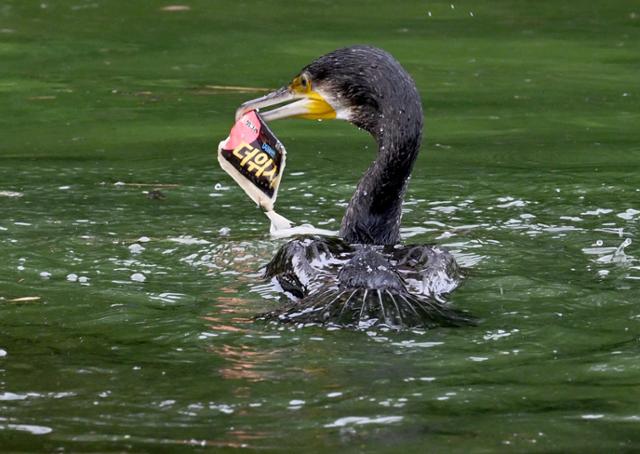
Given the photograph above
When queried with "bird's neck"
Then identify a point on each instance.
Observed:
(374, 212)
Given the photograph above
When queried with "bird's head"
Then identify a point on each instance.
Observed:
(360, 84)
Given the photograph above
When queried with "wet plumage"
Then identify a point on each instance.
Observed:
(364, 277)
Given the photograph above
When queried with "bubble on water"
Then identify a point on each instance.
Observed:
(83, 279)
(32, 429)
(11, 194)
(498, 334)
(167, 297)
(175, 8)
(223, 408)
(599, 243)
(510, 203)
(362, 420)
(143, 239)
(478, 359)
(399, 403)
(611, 254)
(414, 344)
(629, 214)
(597, 212)
(72, 277)
(136, 248)
(3, 353)
(571, 218)
(224, 231)
(445, 209)
(295, 404)
(64, 188)
(138, 277)
(188, 240)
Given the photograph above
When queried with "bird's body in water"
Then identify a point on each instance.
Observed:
(365, 276)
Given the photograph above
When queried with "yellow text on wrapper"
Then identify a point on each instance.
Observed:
(257, 162)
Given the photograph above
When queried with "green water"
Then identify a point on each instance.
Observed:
(138, 333)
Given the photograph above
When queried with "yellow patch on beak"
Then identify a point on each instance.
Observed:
(297, 100)
(317, 108)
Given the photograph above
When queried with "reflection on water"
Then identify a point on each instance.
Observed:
(244, 363)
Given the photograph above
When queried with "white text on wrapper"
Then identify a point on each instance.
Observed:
(257, 162)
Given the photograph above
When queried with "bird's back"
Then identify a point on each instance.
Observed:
(332, 282)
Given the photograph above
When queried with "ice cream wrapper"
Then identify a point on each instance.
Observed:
(255, 159)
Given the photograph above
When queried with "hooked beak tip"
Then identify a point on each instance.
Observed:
(275, 97)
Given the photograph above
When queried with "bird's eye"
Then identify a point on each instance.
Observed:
(304, 82)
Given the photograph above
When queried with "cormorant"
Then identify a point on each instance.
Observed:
(364, 277)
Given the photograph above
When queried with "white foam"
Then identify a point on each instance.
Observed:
(597, 212)
(478, 359)
(33, 429)
(189, 240)
(362, 420)
(12, 396)
(629, 214)
(11, 194)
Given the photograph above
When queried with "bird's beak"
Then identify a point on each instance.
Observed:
(310, 105)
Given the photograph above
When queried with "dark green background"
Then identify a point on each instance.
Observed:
(532, 126)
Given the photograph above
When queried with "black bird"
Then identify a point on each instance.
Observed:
(364, 277)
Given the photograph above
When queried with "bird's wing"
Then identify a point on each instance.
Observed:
(428, 270)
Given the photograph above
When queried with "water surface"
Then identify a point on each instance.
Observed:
(125, 321)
